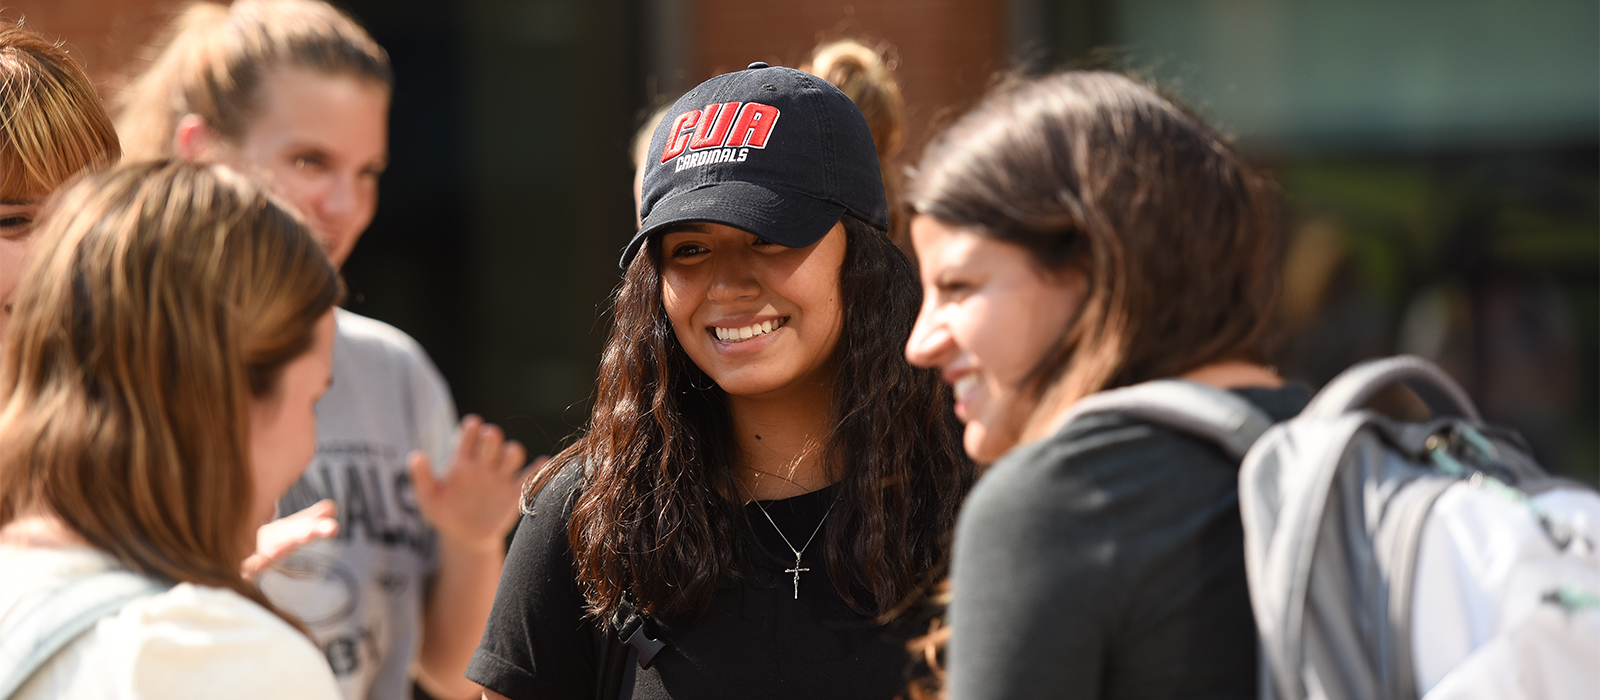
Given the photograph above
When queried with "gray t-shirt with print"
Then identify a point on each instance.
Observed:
(362, 593)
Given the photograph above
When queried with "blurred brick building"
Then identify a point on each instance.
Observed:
(507, 195)
(1440, 161)
(944, 51)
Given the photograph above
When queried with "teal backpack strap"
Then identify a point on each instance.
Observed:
(62, 616)
(1216, 415)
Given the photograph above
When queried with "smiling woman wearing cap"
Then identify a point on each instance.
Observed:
(764, 481)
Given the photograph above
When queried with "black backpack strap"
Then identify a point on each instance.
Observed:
(1204, 411)
(626, 649)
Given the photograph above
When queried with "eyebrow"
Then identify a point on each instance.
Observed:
(687, 227)
(18, 202)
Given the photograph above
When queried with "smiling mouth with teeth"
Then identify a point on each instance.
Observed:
(754, 330)
(964, 386)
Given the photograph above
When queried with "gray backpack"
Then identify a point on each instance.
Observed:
(31, 639)
(1334, 503)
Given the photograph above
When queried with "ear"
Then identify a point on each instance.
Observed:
(194, 139)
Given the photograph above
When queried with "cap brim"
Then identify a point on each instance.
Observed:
(780, 215)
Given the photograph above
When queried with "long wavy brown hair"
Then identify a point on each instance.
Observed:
(162, 297)
(658, 522)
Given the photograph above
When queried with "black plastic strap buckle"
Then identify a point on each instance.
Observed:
(632, 634)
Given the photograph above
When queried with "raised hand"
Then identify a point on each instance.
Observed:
(475, 503)
(281, 537)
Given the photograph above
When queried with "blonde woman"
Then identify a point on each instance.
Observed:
(168, 343)
(296, 94)
(52, 127)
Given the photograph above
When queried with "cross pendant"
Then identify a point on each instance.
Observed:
(796, 571)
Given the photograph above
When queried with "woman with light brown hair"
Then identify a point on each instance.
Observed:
(52, 126)
(296, 94)
(1080, 232)
(169, 341)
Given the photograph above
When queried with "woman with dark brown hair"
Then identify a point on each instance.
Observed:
(764, 480)
(1076, 233)
(171, 337)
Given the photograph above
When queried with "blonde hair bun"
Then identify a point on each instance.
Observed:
(867, 78)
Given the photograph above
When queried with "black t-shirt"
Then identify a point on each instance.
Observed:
(1106, 561)
(757, 640)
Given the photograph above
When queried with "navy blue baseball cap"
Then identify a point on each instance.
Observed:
(770, 150)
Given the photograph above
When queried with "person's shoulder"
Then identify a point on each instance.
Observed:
(39, 569)
(1112, 454)
(541, 540)
(1281, 403)
(537, 633)
(367, 350)
(371, 335)
(194, 640)
(1112, 438)
(1037, 486)
(189, 604)
(555, 499)
(1073, 453)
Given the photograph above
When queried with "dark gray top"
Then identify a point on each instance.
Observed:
(1106, 561)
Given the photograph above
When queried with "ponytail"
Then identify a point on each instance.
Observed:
(149, 107)
(864, 76)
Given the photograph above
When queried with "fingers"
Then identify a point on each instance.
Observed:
(422, 472)
(326, 514)
(474, 502)
(511, 458)
(323, 524)
(490, 441)
(478, 440)
(284, 535)
(467, 447)
(485, 444)
(281, 537)
(253, 565)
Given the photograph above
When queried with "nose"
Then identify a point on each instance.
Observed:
(732, 276)
(340, 201)
(930, 344)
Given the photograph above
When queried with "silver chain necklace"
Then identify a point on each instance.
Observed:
(797, 552)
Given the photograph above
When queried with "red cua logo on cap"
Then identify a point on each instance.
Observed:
(721, 125)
